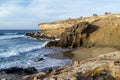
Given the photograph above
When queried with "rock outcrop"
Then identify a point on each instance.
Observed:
(54, 29)
(20, 71)
(73, 36)
(104, 31)
(39, 35)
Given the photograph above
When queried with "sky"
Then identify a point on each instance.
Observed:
(27, 14)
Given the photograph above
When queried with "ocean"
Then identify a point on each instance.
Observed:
(18, 50)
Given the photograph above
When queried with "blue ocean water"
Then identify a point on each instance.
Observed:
(18, 50)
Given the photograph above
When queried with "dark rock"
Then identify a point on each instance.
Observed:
(75, 36)
(40, 59)
(30, 70)
(16, 70)
(38, 35)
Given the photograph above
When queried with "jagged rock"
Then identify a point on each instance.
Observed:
(16, 70)
(38, 35)
(72, 37)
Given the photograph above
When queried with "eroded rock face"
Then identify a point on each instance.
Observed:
(75, 36)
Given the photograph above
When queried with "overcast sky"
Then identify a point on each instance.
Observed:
(26, 14)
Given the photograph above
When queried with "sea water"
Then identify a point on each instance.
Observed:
(18, 50)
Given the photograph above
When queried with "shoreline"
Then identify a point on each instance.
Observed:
(101, 67)
(82, 53)
(78, 55)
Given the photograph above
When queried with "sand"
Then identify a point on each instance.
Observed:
(82, 53)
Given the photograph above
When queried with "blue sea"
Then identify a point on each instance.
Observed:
(18, 50)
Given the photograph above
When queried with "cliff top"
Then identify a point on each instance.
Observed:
(89, 19)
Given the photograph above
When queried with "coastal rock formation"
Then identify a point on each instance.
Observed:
(104, 31)
(55, 29)
(108, 33)
(16, 73)
(16, 70)
(39, 35)
(75, 36)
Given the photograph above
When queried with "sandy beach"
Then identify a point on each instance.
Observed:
(82, 53)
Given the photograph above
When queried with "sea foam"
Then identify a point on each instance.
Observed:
(10, 36)
(16, 51)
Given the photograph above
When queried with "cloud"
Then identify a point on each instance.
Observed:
(28, 13)
(4, 12)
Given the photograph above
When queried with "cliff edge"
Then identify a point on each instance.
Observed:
(54, 29)
(89, 31)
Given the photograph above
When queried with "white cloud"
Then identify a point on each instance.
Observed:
(24, 12)
(4, 12)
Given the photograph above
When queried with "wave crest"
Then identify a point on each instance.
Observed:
(11, 36)
(21, 49)
(7, 33)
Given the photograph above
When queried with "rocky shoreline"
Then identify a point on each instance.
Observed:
(16, 73)
(89, 32)
(103, 67)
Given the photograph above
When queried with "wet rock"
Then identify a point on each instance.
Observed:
(30, 70)
(40, 59)
(16, 70)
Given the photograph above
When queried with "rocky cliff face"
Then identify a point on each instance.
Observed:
(108, 32)
(102, 31)
(75, 36)
(54, 29)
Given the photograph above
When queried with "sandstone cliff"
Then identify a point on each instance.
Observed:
(54, 29)
(100, 31)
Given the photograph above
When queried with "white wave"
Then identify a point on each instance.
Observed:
(10, 33)
(21, 49)
(10, 36)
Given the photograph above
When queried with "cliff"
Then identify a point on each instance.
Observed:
(89, 31)
(54, 29)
